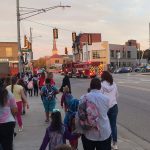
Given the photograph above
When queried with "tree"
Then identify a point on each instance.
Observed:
(147, 55)
(139, 54)
(40, 63)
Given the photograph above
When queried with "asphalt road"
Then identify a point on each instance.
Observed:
(134, 101)
(134, 104)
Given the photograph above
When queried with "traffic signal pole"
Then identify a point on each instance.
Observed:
(18, 37)
(26, 15)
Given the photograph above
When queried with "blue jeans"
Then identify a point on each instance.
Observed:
(112, 115)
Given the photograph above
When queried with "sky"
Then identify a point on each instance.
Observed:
(116, 20)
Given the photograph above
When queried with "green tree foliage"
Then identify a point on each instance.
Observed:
(147, 55)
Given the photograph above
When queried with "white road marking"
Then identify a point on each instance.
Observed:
(134, 87)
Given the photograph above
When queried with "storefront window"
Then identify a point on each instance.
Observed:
(8, 52)
(96, 54)
(56, 61)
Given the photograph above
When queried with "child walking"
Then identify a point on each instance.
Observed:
(56, 134)
(66, 97)
(69, 120)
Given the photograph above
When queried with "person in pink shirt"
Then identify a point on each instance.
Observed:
(8, 109)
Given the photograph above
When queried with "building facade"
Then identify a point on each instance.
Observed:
(57, 60)
(9, 50)
(122, 55)
(97, 52)
(114, 55)
(81, 40)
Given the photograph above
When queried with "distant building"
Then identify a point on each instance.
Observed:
(9, 50)
(113, 54)
(81, 40)
(122, 55)
(9, 56)
(97, 52)
(57, 60)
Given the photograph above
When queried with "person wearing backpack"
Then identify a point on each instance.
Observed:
(30, 86)
(8, 109)
(93, 120)
(69, 120)
(35, 85)
(57, 133)
(48, 93)
(66, 97)
(109, 88)
(65, 82)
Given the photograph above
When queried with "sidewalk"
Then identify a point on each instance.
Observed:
(34, 129)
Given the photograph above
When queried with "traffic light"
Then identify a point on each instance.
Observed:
(66, 51)
(29, 45)
(73, 36)
(55, 33)
(25, 41)
(89, 39)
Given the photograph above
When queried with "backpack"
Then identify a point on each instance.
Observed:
(30, 85)
(56, 138)
(49, 92)
(69, 119)
(67, 98)
(88, 115)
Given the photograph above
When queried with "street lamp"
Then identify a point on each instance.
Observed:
(32, 12)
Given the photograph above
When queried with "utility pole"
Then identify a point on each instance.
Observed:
(28, 14)
(18, 37)
(149, 36)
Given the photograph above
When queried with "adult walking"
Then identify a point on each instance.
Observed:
(30, 86)
(109, 88)
(35, 85)
(66, 82)
(19, 95)
(96, 137)
(21, 82)
(8, 109)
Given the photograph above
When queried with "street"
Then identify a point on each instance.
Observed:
(133, 119)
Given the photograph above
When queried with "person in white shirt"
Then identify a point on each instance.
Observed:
(98, 138)
(109, 88)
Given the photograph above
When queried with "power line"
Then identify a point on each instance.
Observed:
(29, 8)
(48, 25)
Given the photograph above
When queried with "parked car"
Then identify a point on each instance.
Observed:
(142, 69)
(123, 70)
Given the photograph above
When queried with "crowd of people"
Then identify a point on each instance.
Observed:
(92, 117)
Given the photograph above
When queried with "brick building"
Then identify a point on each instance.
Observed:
(9, 50)
(81, 40)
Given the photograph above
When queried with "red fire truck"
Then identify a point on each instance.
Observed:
(83, 69)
